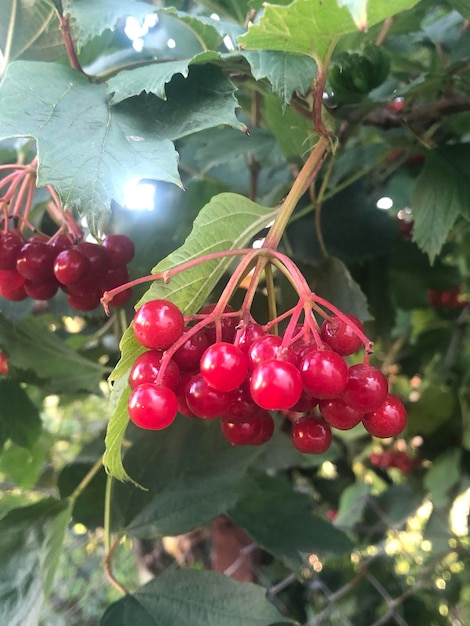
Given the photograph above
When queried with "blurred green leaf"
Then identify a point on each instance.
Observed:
(19, 417)
(31, 346)
(30, 544)
(196, 598)
(443, 474)
(293, 529)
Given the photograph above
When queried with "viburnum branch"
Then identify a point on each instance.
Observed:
(301, 184)
(107, 568)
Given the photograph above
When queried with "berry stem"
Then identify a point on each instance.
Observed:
(167, 275)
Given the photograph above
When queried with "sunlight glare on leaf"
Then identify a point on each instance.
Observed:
(139, 196)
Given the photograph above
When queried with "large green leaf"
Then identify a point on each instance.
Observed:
(194, 598)
(84, 146)
(287, 73)
(188, 290)
(24, 21)
(19, 418)
(281, 521)
(22, 466)
(33, 348)
(358, 10)
(90, 18)
(30, 544)
(191, 472)
(441, 194)
(311, 27)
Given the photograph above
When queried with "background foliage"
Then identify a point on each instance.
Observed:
(211, 104)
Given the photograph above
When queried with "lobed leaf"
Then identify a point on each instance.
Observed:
(440, 195)
(194, 597)
(287, 73)
(64, 112)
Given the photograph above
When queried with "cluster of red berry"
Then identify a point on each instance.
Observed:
(218, 364)
(450, 298)
(395, 458)
(37, 267)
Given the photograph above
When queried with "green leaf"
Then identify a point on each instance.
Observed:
(26, 21)
(117, 426)
(196, 598)
(334, 283)
(191, 472)
(286, 72)
(89, 18)
(152, 78)
(32, 347)
(293, 132)
(444, 473)
(22, 466)
(441, 193)
(434, 407)
(30, 544)
(19, 417)
(63, 111)
(202, 100)
(280, 520)
(351, 505)
(310, 27)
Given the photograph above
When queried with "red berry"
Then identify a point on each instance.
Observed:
(96, 255)
(342, 337)
(311, 435)
(119, 249)
(41, 290)
(11, 243)
(152, 407)
(3, 363)
(366, 388)
(59, 243)
(84, 302)
(188, 356)
(248, 335)
(324, 373)
(266, 430)
(388, 420)
(241, 433)
(121, 298)
(114, 277)
(158, 324)
(70, 266)
(276, 385)
(35, 261)
(228, 325)
(147, 367)
(205, 401)
(339, 414)
(268, 348)
(10, 280)
(241, 408)
(224, 366)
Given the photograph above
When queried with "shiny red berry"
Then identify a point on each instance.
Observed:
(152, 407)
(311, 435)
(158, 324)
(224, 366)
(276, 385)
(388, 420)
